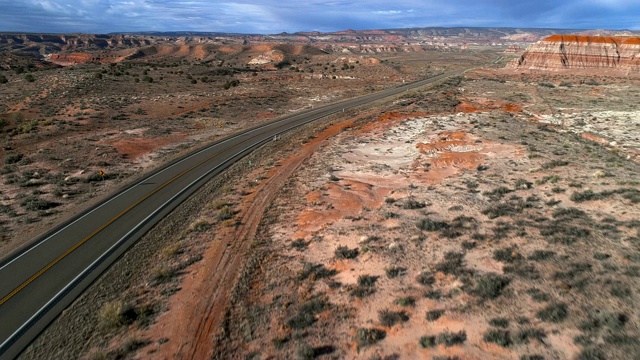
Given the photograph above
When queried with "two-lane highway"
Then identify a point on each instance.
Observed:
(37, 283)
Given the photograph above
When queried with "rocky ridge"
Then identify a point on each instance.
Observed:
(559, 52)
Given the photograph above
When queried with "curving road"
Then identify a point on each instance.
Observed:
(40, 281)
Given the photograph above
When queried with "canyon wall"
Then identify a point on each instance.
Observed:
(558, 52)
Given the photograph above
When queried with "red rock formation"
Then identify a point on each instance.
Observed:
(72, 59)
(581, 52)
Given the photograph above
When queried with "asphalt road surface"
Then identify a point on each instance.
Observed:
(39, 282)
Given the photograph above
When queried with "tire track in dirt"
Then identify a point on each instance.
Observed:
(202, 315)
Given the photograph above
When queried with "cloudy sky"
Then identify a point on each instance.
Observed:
(275, 16)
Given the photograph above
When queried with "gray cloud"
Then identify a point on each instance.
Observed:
(269, 16)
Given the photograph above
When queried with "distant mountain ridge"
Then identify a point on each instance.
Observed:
(43, 46)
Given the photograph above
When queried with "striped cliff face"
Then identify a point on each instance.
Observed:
(581, 52)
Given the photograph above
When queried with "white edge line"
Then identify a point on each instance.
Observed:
(102, 257)
(118, 243)
(124, 192)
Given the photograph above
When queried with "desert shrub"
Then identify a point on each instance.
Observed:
(538, 296)
(110, 315)
(540, 255)
(30, 78)
(555, 312)
(279, 342)
(315, 271)
(522, 184)
(306, 314)
(449, 339)
(570, 213)
(6, 209)
(502, 209)
(172, 250)
(522, 269)
(620, 339)
(301, 320)
(389, 318)
(507, 255)
(367, 337)
(432, 225)
(395, 271)
(425, 278)
(531, 357)
(498, 193)
(414, 204)
(115, 314)
(225, 213)
(496, 336)
(490, 286)
(304, 351)
(620, 290)
(163, 273)
(34, 203)
(406, 301)
(201, 226)
(299, 244)
(3, 79)
(391, 215)
(551, 178)
(365, 287)
(343, 252)
(499, 322)
(588, 195)
(130, 345)
(468, 245)
(554, 164)
(601, 256)
(427, 342)
(231, 83)
(523, 336)
(559, 231)
(434, 315)
(614, 321)
(433, 294)
(453, 263)
(13, 158)
(367, 280)
(591, 354)
(458, 226)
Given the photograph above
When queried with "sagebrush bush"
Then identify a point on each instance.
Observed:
(367, 337)
(556, 312)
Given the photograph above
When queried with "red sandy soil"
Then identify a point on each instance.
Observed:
(487, 105)
(388, 120)
(595, 138)
(134, 148)
(206, 289)
(452, 151)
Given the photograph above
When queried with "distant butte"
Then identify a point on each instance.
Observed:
(557, 52)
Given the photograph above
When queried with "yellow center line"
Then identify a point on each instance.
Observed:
(79, 243)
